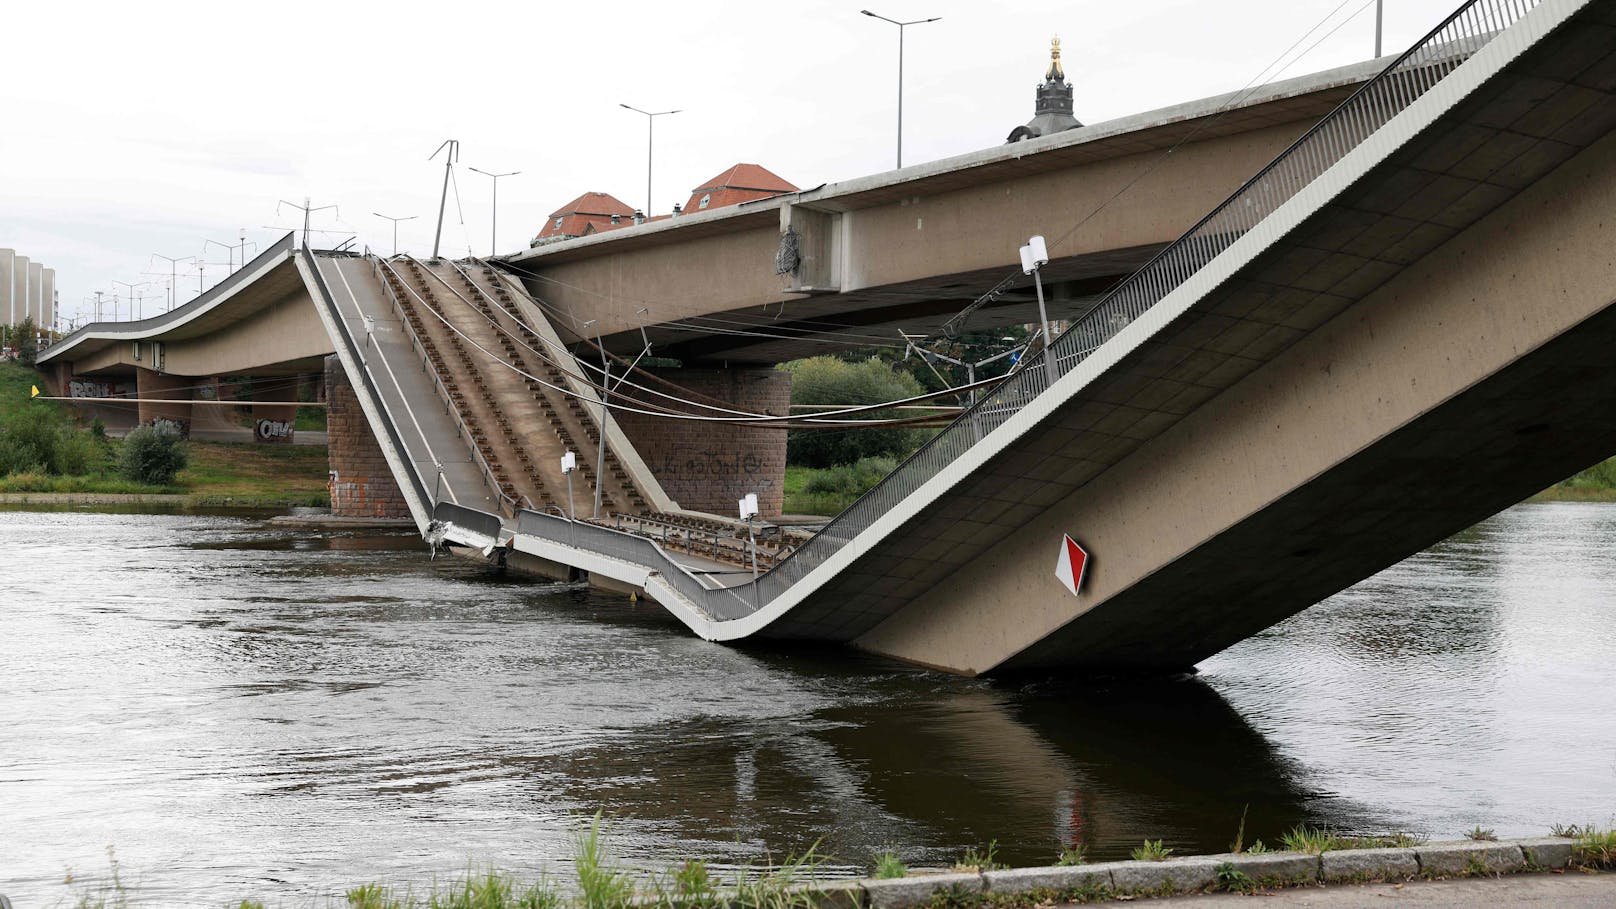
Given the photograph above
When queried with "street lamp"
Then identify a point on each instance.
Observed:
(650, 133)
(174, 272)
(493, 230)
(569, 463)
(901, 26)
(1034, 256)
(131, 294)
(395, 226)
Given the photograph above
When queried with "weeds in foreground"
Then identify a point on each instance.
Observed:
(1258, 848)
(1482, 834)
(1239, 844)
(1151, 851)
(109, 894)
(600, 885)
(487, 890)
(1233, 880)
(985, 860)
(782, 887)
(889, 866)
(1075, 854)
(1315, 840)
(1594, 846)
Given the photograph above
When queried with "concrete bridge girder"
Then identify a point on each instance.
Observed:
(909, 249)
(1477, 375)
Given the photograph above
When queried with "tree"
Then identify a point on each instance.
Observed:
(27, 343)
(828, 380)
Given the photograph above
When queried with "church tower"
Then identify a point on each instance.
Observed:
(1053, 110)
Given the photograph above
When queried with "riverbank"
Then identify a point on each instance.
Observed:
(801, 882)
(219, 475)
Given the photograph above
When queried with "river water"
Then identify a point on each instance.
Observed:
(245, 710)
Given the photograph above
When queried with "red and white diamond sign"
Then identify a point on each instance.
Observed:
(1073, 563)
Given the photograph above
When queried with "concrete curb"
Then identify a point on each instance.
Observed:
(1469, 857)
(1196, 873)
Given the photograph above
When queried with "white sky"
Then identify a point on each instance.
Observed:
(132, 129)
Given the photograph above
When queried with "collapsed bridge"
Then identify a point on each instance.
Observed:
(1398, 325)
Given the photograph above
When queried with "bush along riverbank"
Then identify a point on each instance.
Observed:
(47, 457)
(1312, 858)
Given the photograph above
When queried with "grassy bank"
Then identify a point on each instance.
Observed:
(803, 882)
(243, 475)
(81, 461)
(829, 490)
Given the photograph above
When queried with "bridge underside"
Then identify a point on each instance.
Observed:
(1419, 355)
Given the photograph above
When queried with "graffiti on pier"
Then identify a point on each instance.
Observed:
(273, 430)
(691, 461)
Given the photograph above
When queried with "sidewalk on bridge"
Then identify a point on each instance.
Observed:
(1561, 890)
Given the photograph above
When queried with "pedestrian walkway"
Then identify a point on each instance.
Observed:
(1561, 890)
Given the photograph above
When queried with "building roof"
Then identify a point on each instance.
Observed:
(587, 214)
(740, 183)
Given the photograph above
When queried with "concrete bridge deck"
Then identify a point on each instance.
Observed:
(1398, 326)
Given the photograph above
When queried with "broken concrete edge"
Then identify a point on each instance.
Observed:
(1192, 874)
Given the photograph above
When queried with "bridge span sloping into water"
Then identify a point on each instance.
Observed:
(1399, 326)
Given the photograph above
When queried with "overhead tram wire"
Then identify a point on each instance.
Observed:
(765, 420)
(597, 386)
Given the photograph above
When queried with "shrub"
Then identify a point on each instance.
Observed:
(40, 440)
(152, 455)
(827, 380)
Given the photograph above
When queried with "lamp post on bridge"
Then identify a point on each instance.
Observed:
(650, 136)
(1034, 256)
(901, 26)
(395, 226)
(493, 230)
(174, 275)
(569, 463)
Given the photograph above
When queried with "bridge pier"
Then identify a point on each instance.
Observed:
(710, 466)
(361, 482)
(164, 397)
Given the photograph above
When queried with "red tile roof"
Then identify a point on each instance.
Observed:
(589, 213)
(741, 183)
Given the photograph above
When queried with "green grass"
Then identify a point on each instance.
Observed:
(975, 860)
(236, 474)
(1151, 851)
(248, 474)
(1595, 847)
(829, 490)
(1073, 855)
(889, 866)
(1315, 840)
(1482, 834)
(1596, 484)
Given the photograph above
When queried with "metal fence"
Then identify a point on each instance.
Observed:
(1407, 79)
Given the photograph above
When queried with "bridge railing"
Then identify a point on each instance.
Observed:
(1380, 99)
(329, 301)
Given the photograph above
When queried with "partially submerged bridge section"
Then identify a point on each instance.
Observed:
(1397, 326)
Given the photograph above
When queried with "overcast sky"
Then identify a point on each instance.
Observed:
(133, 129)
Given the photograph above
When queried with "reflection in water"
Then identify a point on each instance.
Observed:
(248, 710)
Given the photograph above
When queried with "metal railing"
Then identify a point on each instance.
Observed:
(330, 302)
(1376, 102)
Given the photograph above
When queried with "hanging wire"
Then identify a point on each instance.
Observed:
(767, 420)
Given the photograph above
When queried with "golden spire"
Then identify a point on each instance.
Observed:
(1055, 74)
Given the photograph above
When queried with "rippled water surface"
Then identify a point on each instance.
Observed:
(247, 710)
